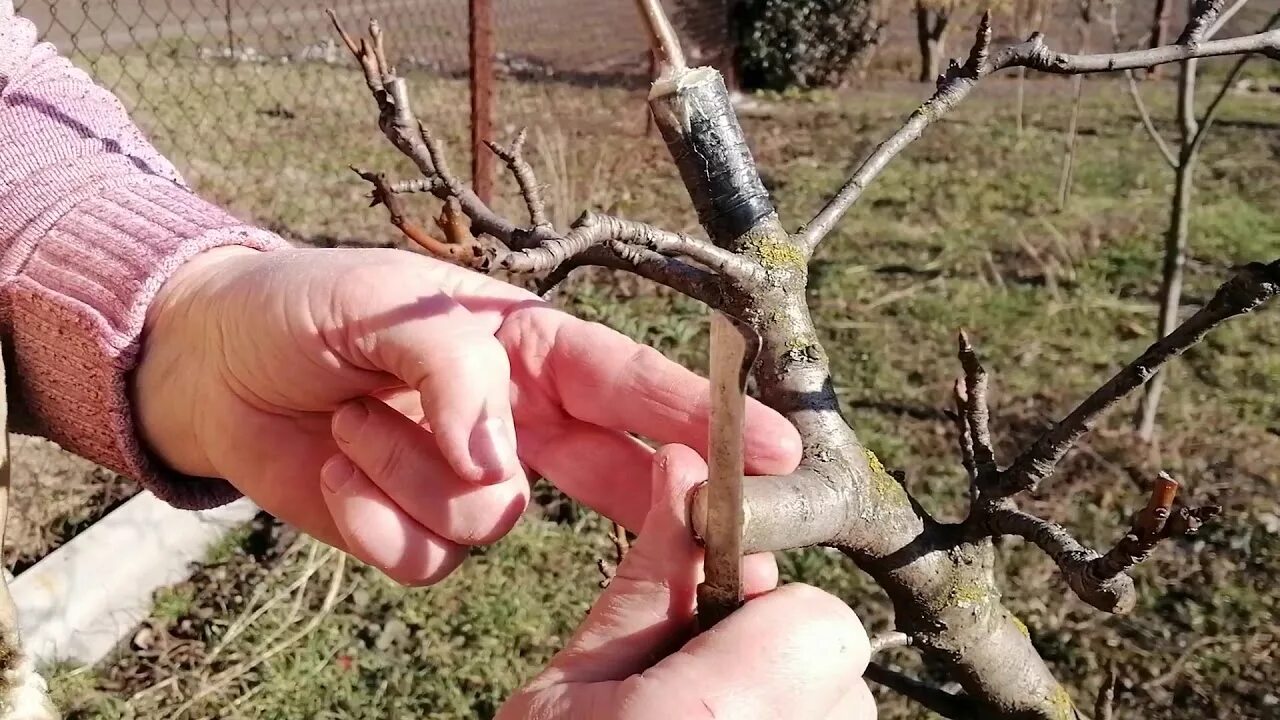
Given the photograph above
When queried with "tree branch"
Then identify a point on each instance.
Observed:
(597, 240)
(888, 641)
(1211, 113)
(1145, 115)
(526, 179)
(1132, 83)
(953, 86)
(960, 396)
(662, 38)
(1250, 288)
(1202, 16)
(976, 411)
(1101, 580)
(1115, 594)
(1224, 18)
(956, 84)
(948, 705)
(1153, 524)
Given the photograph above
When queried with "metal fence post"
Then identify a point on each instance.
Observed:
(231, 35)
(482, 82)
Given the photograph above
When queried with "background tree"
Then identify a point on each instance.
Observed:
(1183, 158)
(940, 576)
(933, 23)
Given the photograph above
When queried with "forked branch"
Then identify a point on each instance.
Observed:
(956, 84)
(1102, 580)
(692, 266)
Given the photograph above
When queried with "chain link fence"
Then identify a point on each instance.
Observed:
(236, 91)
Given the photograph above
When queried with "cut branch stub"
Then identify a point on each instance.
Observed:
(1154, 523)
(1102, 580)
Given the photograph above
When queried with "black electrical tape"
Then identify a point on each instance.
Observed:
(715, 164)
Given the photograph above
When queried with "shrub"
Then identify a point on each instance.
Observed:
(804, 43)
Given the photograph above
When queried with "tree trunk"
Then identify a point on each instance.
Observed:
(931, 37)
(1159, 29)
(1021, 107)
(1176, 238)
(1069, 153)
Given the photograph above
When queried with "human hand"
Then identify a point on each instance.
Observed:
(793, 652)
(423, 391)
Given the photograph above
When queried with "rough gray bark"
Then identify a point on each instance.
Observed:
(940, 577)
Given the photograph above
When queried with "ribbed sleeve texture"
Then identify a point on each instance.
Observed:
(93, 220)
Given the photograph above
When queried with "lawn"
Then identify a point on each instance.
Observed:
(963, 231)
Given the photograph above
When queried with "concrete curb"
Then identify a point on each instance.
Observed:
(78, 603)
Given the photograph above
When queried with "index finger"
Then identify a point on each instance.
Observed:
(602, 377)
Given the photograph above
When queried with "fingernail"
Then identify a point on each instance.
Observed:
(348, 421)
(337, 473)
(493, 448)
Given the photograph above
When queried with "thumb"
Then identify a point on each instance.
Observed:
(648, 609)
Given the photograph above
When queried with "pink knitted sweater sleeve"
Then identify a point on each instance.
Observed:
(92, 222)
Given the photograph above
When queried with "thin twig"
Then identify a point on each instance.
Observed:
(621, 546)
(663, 40)
(470, 254)
(652, 254)
(1132, 82)
(888, 641)
(1147, 122)
(1104, 706)
(1253, 286)
(1101, 580)
(526, 179)
(1224, 18)
(976, 409)
(1153, 524)
(1211, 113)
(960, 396)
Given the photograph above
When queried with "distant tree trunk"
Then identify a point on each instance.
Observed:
(931, 34)
(1069, 153)
(1073, 130)
(1159, 29)
(1021, 107)
(1175, 245)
